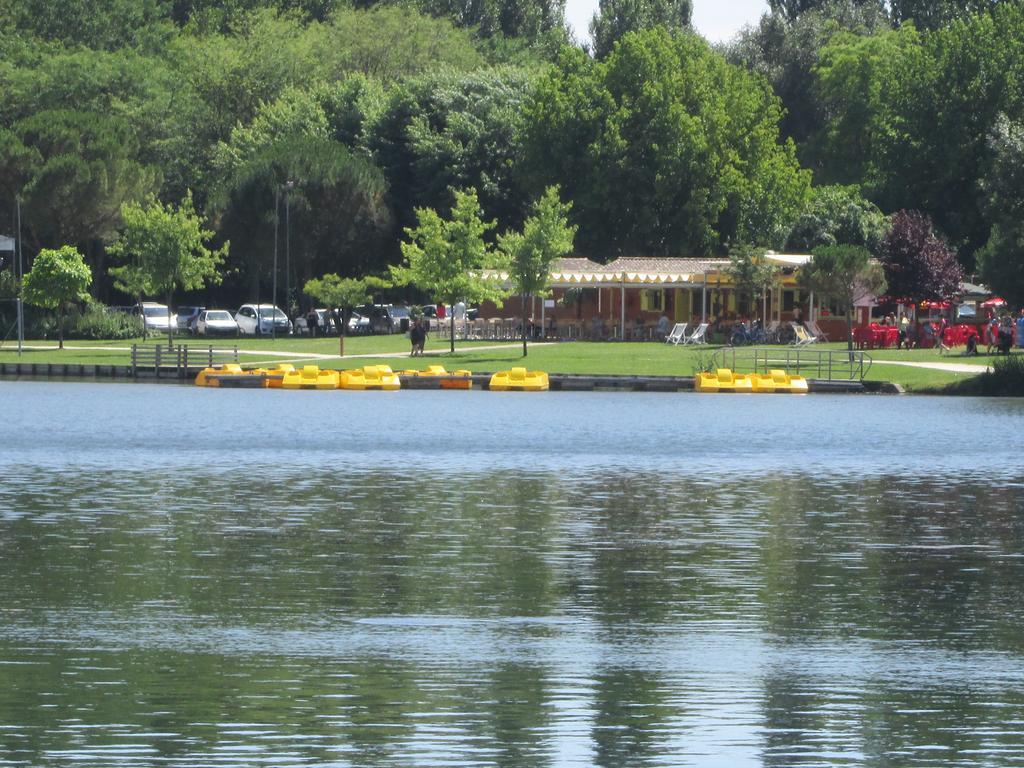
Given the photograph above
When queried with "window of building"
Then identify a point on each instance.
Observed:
(652, 301)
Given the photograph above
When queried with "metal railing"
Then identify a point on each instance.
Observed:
(176, 360)
(824, 364)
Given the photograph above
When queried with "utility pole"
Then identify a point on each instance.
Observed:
(273, 290)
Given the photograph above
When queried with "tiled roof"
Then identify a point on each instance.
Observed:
(663, 264)
(576, 265)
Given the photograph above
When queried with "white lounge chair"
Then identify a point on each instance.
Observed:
(677, 335)
(815, 330)
(771, 333)
(803, 338)
(698, 336)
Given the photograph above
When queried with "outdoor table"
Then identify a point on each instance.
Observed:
(957, 335)
(875, 335)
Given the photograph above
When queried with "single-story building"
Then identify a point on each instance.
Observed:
(628, 297)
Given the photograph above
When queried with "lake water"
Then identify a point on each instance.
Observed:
(237, 578)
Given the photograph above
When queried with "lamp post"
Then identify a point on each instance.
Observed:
(20, 275)
(288, 187)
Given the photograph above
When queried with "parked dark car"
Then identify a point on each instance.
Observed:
(324, 324)
(384, 318)
(187, 317)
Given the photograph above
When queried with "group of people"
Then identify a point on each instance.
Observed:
(999, 331)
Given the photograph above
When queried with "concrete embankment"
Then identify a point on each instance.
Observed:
(559, 382)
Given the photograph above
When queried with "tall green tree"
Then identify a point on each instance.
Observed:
(333, 200)
(529, 19)
(92, 23)
(75, 170)
(449, 258)
(1001, 260)
(546, 237)
(57, 279)
(750, 272)
(616, 18)
(793, 9)
(167, 249)
(448, 130)
(838, 214)
(341, 295)
(843, 274)
(786, 52)
(856, 76)
(919, 110)
(663, 148)
(932, 14)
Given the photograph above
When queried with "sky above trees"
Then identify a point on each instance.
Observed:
(717, 20)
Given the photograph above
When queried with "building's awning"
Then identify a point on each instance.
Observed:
(789, 259)
(638, 272)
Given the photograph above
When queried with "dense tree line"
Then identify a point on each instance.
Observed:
(327, 124)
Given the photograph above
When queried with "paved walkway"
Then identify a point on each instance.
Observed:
(951, 367)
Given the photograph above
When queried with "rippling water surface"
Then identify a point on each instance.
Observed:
(237, 578)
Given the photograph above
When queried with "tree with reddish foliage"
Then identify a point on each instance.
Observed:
(918, 264)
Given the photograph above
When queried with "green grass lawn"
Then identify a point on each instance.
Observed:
(651, 359)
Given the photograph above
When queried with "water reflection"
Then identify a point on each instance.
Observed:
(650, 605)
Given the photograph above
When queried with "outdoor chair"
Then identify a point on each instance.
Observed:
(771, 333)
(699, 336)
(678, 334)
(803, 338)
(815, 330)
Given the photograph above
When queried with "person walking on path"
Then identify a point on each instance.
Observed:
(940, 335)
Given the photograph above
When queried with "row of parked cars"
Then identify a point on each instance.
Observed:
(265, 320)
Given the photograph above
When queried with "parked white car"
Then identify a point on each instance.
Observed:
(216, 322)
(156, 317)
(259, 320)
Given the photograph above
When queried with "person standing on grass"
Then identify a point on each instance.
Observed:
(417, 336)
(312, 322)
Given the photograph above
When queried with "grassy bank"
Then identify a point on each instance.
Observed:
(653, 359)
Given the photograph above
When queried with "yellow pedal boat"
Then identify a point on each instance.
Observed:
(722, 380)
(370, 377)
(520, 380)
(462, 382)
(779, 381)
(275, 376)
(208, 377)
(310, 377)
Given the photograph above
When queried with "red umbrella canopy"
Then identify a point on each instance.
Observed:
(995, 301)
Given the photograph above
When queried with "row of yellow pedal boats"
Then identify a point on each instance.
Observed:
(369, 377)
(724, 380)
(381, 377)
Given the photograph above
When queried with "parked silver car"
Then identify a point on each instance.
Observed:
(260, 320)
(216, 322)
(156, 317)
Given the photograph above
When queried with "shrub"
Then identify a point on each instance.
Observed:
(99, 322)
(1006, 379)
